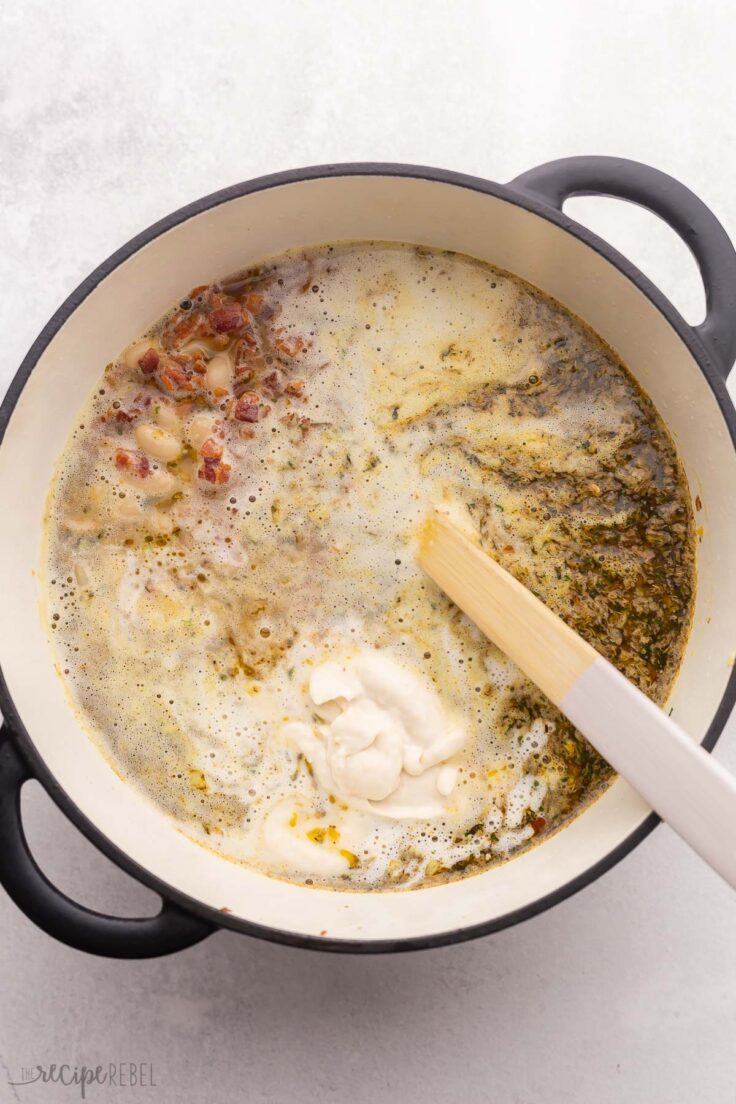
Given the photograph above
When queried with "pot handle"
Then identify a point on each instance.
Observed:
(172, 929)
(556, 181)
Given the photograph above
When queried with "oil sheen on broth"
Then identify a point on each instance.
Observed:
(230, 579)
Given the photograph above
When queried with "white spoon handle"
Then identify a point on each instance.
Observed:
(681, 782)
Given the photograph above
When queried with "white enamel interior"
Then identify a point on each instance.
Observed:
(225, 238)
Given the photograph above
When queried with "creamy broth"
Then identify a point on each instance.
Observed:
(230, 583)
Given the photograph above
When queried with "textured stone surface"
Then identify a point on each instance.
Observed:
(114, 114)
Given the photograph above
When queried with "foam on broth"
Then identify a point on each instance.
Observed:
(188, 604)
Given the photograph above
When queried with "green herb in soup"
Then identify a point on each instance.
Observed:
(231, 585)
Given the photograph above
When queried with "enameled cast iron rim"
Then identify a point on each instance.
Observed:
(14, 723)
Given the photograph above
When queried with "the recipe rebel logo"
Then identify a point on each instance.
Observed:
(120, 1075)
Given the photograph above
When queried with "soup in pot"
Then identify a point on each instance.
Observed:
(230, 584)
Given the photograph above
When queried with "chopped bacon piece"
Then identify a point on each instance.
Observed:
(209, 312)
(247, 408)
(148, 363)
(226, 319)
(291, 418)
(538, 823)
(248, 339)
(124, 458)
(211, 449)
(121, 416)
(128, 460)
(242, 376)
(177, 375)
(182, 327)
(213, 470)
(248, 356)
(295, 387)
(253, 302)
(289, 346)
(272, 384)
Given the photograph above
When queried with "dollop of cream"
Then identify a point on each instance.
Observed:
(382, 738)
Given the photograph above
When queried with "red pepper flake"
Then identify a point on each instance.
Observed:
(538, 824)
(148, 363)
(227, 319)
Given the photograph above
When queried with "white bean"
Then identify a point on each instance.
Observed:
(199, 429)
(157, 442)
(185, 470)
(159, 524)
(134, 352)
(168, 419)
(128, 510)
(159, 483)
(219, 373)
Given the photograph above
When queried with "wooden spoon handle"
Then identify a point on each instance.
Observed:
(548, 651)
(681, 782)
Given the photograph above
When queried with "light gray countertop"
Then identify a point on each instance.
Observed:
(113, 115)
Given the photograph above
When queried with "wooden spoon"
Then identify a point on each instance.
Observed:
(681, 782)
